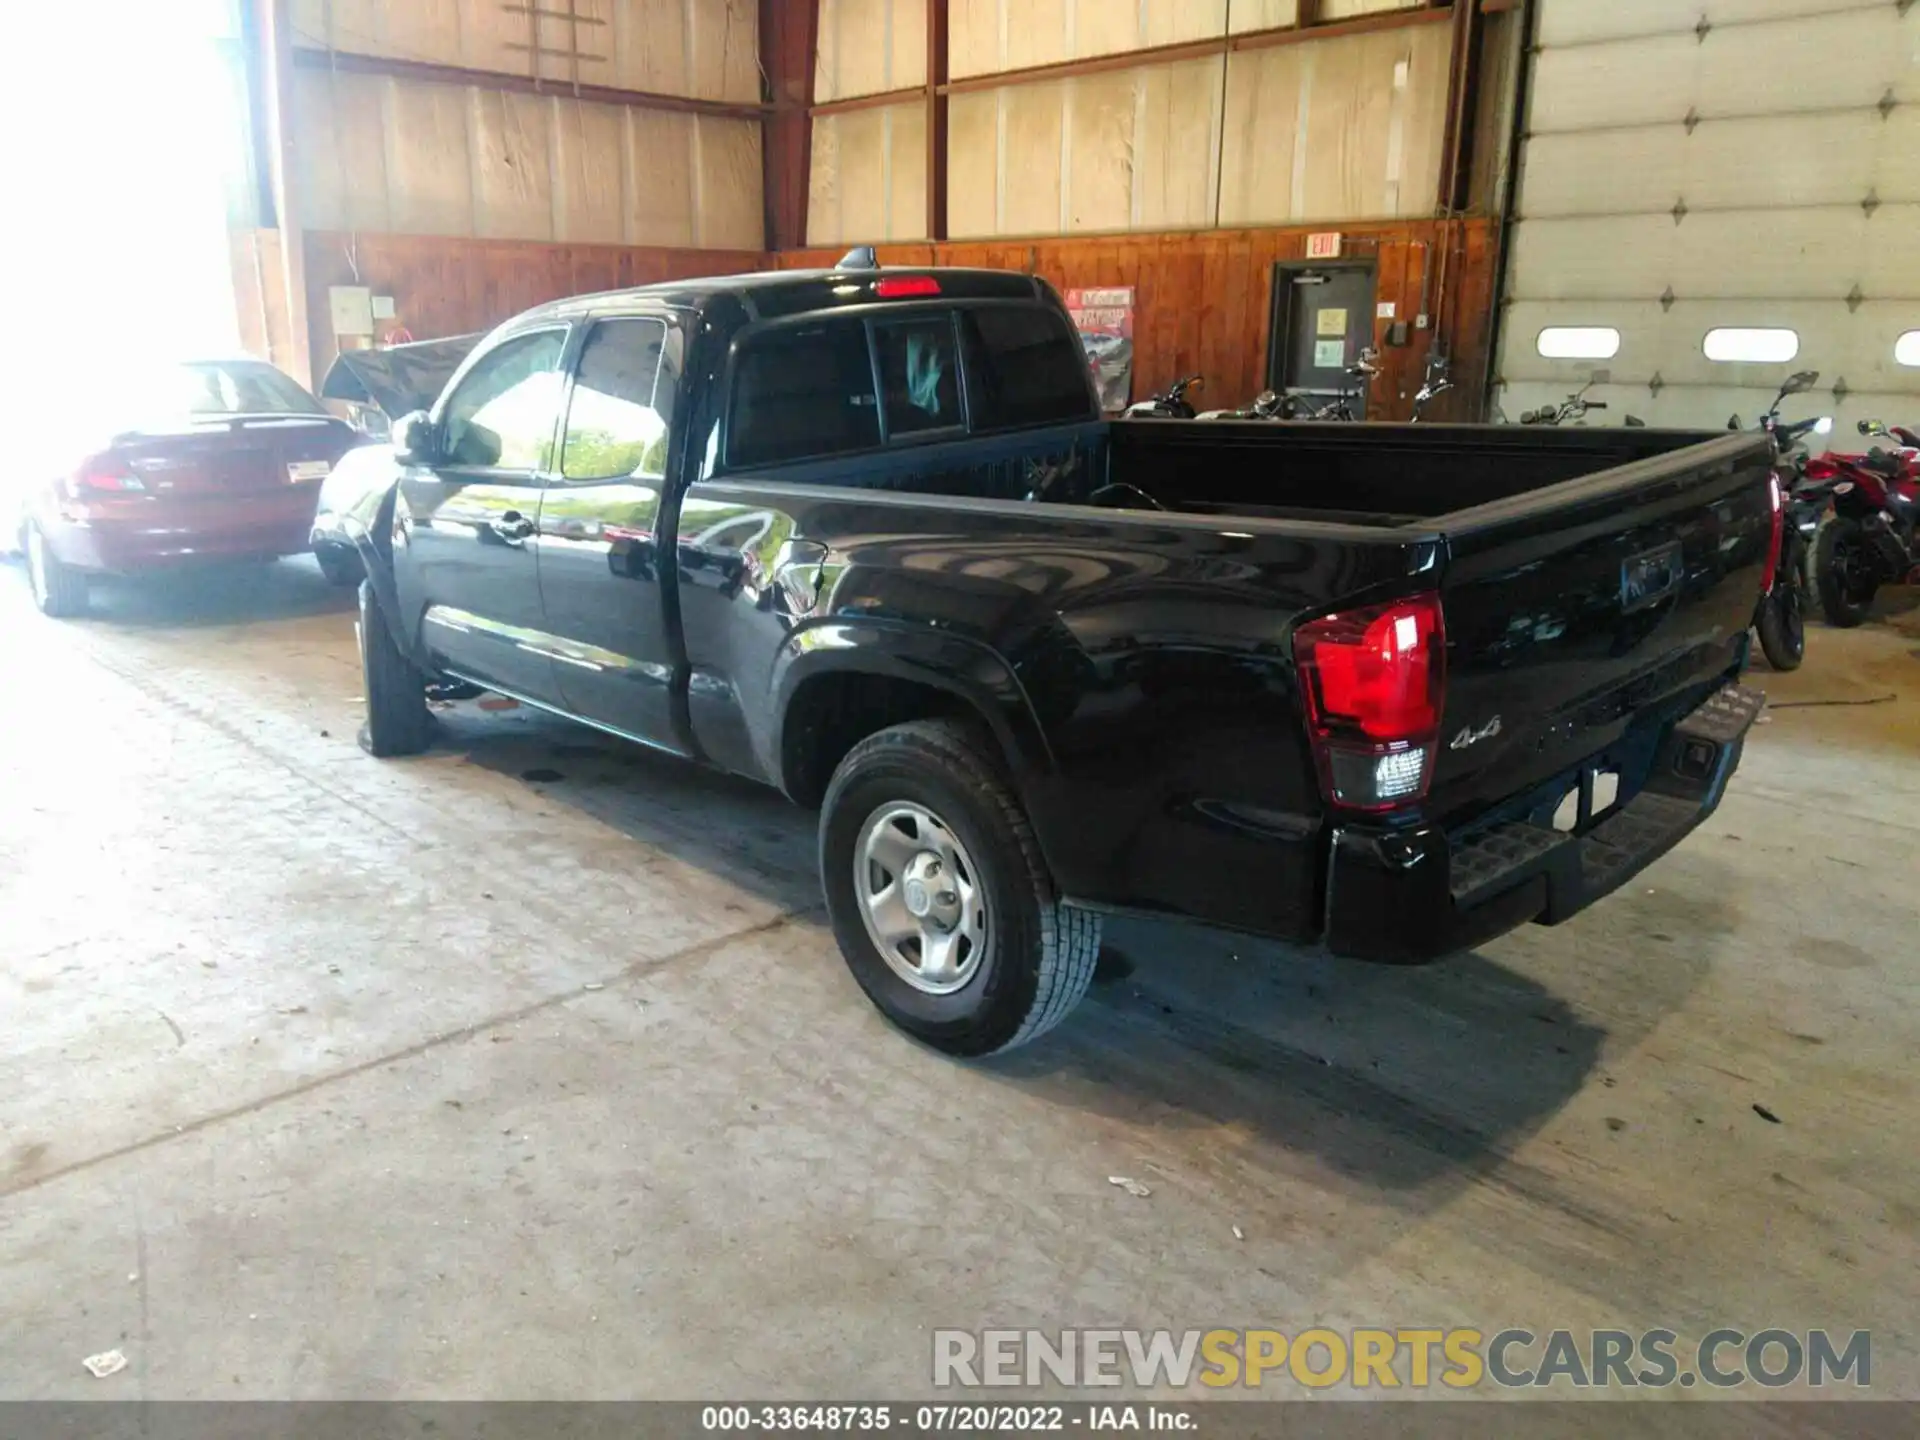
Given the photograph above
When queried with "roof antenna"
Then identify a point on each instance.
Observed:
(861, 257)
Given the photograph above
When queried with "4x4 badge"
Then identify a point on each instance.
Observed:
(1471, 736)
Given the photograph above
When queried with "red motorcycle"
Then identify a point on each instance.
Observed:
(1870, 540)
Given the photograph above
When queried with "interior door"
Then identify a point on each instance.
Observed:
(466, 526)
(1326, 320)
(599, 566)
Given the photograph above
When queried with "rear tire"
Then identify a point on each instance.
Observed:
(1846, 588)
(58, 589)
(398, 720)
(1028, 958)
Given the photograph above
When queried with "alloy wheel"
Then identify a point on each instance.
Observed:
(921, 898)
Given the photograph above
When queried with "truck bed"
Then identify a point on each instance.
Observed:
(1363, 474)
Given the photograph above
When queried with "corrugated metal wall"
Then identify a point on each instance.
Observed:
(1720, 163)
(1342, 127)
(404, 156)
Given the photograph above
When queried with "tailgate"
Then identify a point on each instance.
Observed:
(1573, 609)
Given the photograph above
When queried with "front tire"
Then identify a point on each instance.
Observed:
(340, 567)
(1782, 624)
(943, 907)
(1842, 570)
(398, 720)
(59, 590)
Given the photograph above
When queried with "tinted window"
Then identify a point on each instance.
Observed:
(919, 375)
(502, 414)
(622, 402)
(1030, 367)
(803, 391)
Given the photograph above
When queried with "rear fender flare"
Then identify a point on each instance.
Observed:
(968, 669)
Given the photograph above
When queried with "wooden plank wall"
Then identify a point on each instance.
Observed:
(445, 285)
(1203, 301)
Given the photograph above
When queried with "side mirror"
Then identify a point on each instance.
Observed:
(1265, 400)
(414, 440)
(1872, 427)
(1800, 381)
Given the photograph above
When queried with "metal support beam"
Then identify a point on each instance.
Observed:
(349, 63)
(253, 64)
(936, 120)
(1463, 105)
(789, 34)
(1185, 50)
(275, 30)
(1528, 37)
(879, 99)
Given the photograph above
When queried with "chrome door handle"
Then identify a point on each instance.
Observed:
(512, 526)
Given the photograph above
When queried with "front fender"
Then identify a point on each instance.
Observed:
(368, 527)
(968, 669)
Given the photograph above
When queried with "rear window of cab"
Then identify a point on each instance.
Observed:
(844, 385)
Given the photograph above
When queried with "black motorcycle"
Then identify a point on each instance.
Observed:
(1266, 406)
(1170, 404)
(1569, 411)
(1780, 619)
(1350, 405)
(1573, 410)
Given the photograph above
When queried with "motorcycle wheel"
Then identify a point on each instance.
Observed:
(1843, 570)
(1782, 625)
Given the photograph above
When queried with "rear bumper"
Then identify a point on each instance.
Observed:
(160, 541)
(1411, 896)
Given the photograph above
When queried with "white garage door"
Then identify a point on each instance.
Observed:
(1747, 170)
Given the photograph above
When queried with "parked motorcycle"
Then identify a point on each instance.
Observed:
(1170, 404)
(1780, 619)
(1569, 411)
(1351, 403)
(1266, 406)
(1438, 382)
(1573, 410)
(1870, 540)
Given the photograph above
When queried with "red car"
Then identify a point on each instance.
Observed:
(211, 460)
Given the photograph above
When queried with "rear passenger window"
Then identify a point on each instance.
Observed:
(1031, 369)
(919, 375)
(800, 392)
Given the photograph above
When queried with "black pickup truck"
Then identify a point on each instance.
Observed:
(864, 535)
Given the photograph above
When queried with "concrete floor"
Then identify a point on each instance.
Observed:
(328, 1078)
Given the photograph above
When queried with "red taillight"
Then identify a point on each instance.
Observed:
(1772, 570)
(105, 473)
(1374, 684)
(906, 287)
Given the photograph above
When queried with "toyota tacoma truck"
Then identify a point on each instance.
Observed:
(865, 535)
